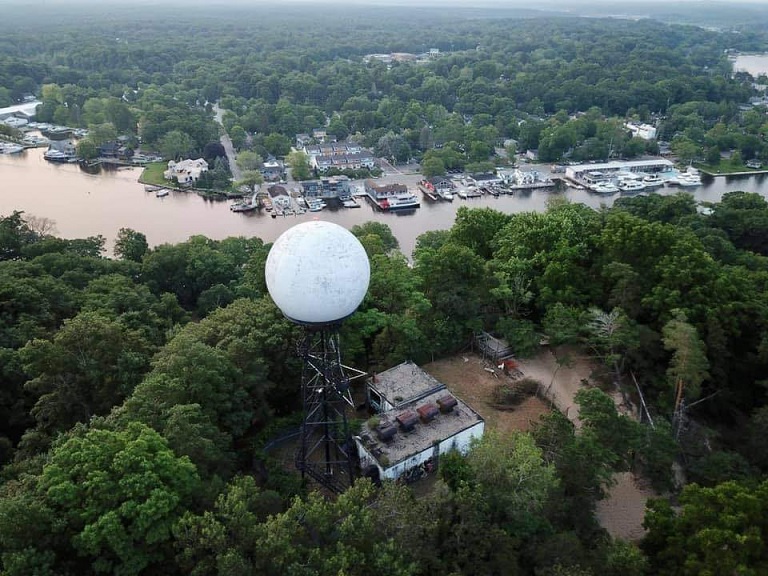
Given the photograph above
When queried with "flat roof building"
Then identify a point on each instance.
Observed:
(419, 419)
(581, 171)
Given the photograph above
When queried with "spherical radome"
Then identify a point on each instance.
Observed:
(317, 273)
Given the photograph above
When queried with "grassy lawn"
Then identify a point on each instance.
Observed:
(153, 174)
(725, 167)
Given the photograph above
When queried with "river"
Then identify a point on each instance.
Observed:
(83, 205)
(755, 64)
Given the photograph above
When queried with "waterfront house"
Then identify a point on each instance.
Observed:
(279, 196)
(273, 169)
(386, 191)
(438, 184)
(417, 421)
(333, 187)
(186, 172)
(484, 179)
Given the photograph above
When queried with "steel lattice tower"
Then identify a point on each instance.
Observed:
(326, 451)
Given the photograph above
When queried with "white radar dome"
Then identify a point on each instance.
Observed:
(317, 273)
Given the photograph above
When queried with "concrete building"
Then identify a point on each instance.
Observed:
(419, 419)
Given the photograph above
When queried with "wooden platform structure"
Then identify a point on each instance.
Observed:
(492, 348)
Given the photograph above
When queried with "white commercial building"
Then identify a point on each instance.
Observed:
(588, 172)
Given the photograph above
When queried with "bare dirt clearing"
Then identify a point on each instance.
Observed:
(621, 512)
(465, 375)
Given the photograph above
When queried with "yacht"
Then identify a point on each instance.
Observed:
(11, 149)
(652, 180)
(689, 179)
(58, 156)
(162, 193)
(399, 202)
(631, 186)
(315, 204)
(604, 188)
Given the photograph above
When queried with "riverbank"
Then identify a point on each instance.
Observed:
(84, 204)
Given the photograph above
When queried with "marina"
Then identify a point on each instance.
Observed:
(84, 204)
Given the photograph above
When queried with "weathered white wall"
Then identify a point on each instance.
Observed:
(460, 442)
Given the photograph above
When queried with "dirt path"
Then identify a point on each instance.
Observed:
(560, 381)
(621, 512)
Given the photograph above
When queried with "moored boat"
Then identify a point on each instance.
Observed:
(631, 187)
(604, 188)
(652, 180)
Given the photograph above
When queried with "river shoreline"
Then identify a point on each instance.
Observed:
(84, 204)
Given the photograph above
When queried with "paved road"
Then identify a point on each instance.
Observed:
(228, 148)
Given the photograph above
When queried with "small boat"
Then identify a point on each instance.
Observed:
(463, 194)
(162, 193)
(152, 188)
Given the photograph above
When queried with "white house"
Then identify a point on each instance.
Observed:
(186, 172)
(644, 131)
(419, 419)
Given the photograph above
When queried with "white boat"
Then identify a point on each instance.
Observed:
(652, 180)
(315, 204)
(604, 188)
(162, 193)
(11, 149)
(400, 202)
(446, 195)
(463, 194)
(56, 156)
(689, 180)
(631, 186)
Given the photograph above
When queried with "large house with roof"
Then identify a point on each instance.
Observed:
(186, 172)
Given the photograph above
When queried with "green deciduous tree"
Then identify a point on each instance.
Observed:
(248, 161)
(130, 245)
(719, 530)
(299, 164)
(175, 145)
(89, 366)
